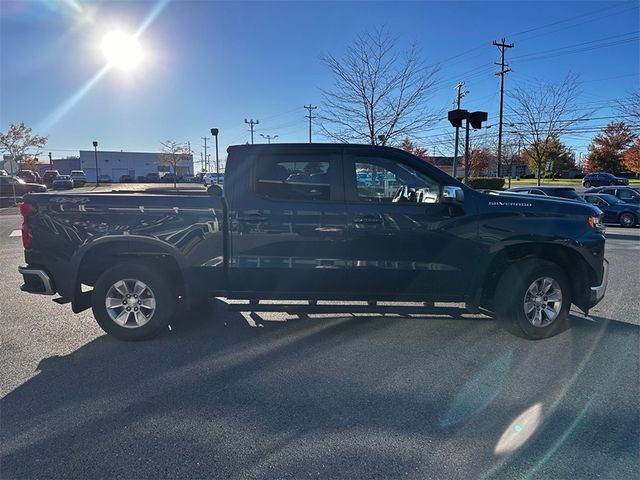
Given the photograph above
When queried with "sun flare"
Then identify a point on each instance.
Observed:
(121, 50)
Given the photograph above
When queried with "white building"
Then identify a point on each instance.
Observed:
(134, 164)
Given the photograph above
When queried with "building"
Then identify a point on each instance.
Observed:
(134, 164)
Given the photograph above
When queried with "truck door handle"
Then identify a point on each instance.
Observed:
(367, 220)
(252, 218)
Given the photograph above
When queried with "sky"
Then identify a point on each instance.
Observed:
(213, 64)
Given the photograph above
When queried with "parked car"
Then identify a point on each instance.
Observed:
(169, 178)
(188, 179)
(9, 185)
(199, 176)
(602, 179)
(626, 194)
(614, 209)
(213, 179)
(559, 192)
(3, 173)
(126, 179)
(526, 259)
(29, 176)
(49, 176)
(152, 178)
(79, 178)
(63, 182)
(104, 178)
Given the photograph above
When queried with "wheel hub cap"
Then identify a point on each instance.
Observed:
(543, 302)
(130, 303)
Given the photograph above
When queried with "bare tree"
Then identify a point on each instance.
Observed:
(543, 112)
(630, 109)
(379, 96)
(172, 154)
(19, 142)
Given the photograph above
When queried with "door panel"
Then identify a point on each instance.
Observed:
(402, 240)
(287, 234)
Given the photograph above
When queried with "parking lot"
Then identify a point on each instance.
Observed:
(278, 396)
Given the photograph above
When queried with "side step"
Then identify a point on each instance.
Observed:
(372, 307)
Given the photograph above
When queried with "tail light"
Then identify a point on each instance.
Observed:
(26, 210)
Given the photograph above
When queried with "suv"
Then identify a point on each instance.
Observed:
(78, 177)
(49, 176)
(29, 176)
(602, 180)
(626, 194)
(560, 192)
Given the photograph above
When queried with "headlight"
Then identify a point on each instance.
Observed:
(595, 222)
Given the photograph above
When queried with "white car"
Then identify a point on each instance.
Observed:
(213, 178)
(78, 177)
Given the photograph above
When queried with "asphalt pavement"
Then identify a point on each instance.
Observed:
(231, 395)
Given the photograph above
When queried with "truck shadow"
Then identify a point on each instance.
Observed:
(339, 397)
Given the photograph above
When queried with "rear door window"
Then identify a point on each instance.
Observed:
(295, 177)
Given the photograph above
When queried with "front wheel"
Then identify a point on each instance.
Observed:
(533, 298)
(587, 184)
(132, 301)
(628, 220)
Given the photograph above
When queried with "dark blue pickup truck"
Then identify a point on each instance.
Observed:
(316, 222)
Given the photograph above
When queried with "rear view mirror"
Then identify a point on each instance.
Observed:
(452, 195)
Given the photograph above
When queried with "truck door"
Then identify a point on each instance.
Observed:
(288, 231)
(402, 240)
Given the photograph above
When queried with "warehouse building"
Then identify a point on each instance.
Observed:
(133, 164)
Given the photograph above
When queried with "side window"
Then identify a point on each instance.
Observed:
(293, 178)
(609, 191)
(381, 180)
(594, 200)
(535, 191)
(625, 194)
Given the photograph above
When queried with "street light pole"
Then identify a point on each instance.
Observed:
(214, 132)
(269, 137)
(95, 151)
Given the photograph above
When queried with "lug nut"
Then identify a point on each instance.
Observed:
(124, 302)
(135, 296)
(128, 309)
(135, 309)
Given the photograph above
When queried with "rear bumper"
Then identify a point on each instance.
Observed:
(597, 292)
(36, 280)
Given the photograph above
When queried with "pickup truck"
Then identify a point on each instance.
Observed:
(299, 222)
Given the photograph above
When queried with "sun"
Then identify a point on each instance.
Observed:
(121, 50)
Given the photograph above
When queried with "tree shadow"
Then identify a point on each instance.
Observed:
(337, 397)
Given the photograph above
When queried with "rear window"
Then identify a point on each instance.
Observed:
(567, 193)
(293, 178)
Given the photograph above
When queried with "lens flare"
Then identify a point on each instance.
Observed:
(121, 50)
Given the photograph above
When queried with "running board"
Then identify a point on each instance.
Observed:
(346, 308)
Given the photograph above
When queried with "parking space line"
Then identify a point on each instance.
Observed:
(16, 233)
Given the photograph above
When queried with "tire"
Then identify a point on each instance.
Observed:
(627, 220)
(586, 184)
(151, 301)
(517, 284)
(612, 184)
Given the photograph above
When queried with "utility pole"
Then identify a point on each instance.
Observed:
(504, 69)
(310, 117)
(50, 162)
(252, 123)
(206, 169)
(459, 96)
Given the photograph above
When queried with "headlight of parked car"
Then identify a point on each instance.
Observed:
(595, 222)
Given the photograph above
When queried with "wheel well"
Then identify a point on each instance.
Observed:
(100, 258)
(567, 259)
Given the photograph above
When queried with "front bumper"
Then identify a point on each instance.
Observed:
(36, 280)
(597, 292)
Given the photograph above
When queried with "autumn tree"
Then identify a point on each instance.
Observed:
(607, 149)
(411, 147)
(631, 158)
(557, 160)
(379, 95)
(30, 163)
(542, 113)
(172, 154)
(479, 160)
(19, 143)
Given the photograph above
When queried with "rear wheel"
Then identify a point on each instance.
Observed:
(533, 298)
(628, 220)
(133, 301)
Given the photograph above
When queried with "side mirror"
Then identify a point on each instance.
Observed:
(452, 195)
(214, 190)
